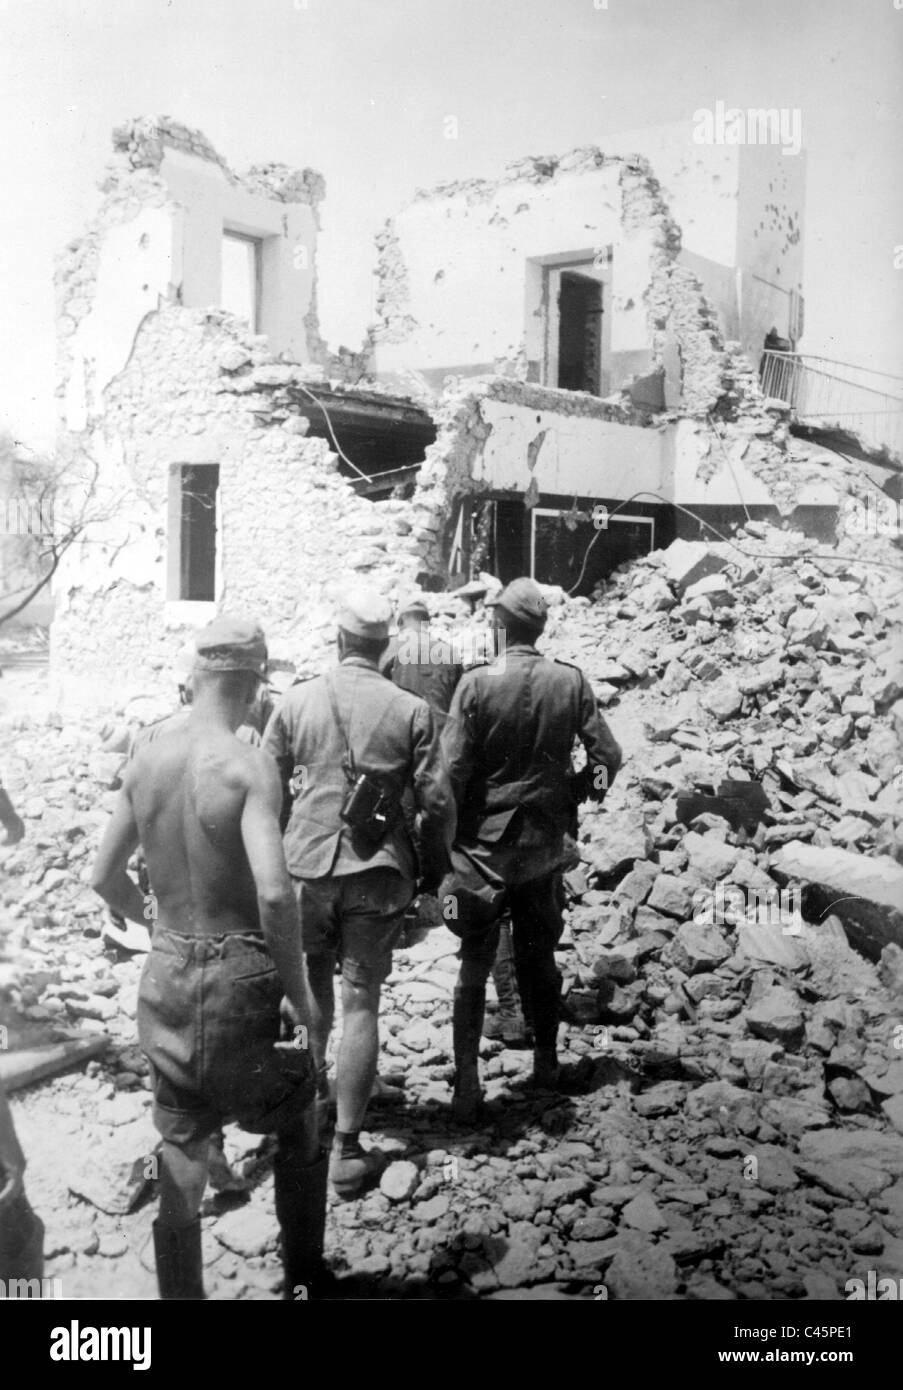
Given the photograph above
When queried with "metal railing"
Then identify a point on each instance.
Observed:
(821, 391)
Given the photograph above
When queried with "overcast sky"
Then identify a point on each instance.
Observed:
(360, 90)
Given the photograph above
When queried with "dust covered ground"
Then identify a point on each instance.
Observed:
(731, 1125)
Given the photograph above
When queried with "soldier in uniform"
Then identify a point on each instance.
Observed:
(226, 948)
(420, 662)
(508, 744)
(353, 880)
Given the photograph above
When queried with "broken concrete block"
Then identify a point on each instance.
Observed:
(777, 1017)
(655, 596)
(765, 677)
(697, 948)
(805, 626)
(643, 1214)
(849, 1093)
(768, 942)
(641, 1270)
(686, 562)
(634, 887)
(775, 1172)
(622, 841)
(661, 1099)
(710, 856)
(890, 969)
(615, 964)
(232, 358)
(672, 895)
(724, 700)
(868, 1148)
(865, 893)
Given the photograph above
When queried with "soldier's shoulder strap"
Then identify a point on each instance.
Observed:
(571, 665)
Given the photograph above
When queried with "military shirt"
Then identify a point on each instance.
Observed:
(433, 675)
(392, 735)
(508, 743)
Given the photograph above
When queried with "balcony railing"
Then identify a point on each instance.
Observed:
(821, 391)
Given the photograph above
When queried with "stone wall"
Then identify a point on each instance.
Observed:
(291, 531)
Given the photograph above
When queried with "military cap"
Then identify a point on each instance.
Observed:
(231, 644)
(365, 613)
(413, 603)
(523, 599)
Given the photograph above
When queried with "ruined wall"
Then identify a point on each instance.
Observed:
(769, 242)
(462, 276)
(513, 438)
(157, 238)
(453, 267)
(291, 531)
(740, 211)
(154, 375)
(461, 268)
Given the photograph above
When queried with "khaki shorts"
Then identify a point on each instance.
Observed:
(357, 917)
(208, 1016)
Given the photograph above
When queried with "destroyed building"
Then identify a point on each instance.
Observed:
(545, 345)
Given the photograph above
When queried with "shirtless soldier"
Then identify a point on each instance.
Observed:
(226, 947)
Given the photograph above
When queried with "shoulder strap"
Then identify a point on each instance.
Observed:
(333, 702)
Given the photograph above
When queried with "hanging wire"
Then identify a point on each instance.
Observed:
(751, 554)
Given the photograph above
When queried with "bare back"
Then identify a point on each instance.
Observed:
(188, 791)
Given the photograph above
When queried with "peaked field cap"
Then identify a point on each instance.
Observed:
(365, 613)
(413, 603)
(523, 599)
(231, 644)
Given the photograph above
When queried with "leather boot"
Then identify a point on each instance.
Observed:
(546, 997)
(467, 1027)
(300, 1191)
(180, 1269)
(508, 1023)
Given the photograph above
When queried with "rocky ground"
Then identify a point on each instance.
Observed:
(732, 1122)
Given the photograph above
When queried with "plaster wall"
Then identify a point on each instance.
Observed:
(568, 454)
(700, 184)
(210, 203)
(464, 284)
(135, 270)
(739, 208)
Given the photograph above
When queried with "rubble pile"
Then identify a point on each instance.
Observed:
(731, 1124)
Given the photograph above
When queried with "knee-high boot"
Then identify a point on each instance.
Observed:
(467, 1027)
(545, 994)
(180, 1268)
(300, 1191)
(508, 1024)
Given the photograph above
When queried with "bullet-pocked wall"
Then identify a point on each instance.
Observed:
(473, 288)
(675, 239)
(740, 208)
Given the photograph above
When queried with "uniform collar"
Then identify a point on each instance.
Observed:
(527, 647)
(355, 659)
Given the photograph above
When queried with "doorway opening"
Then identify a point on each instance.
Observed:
(579, 333)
